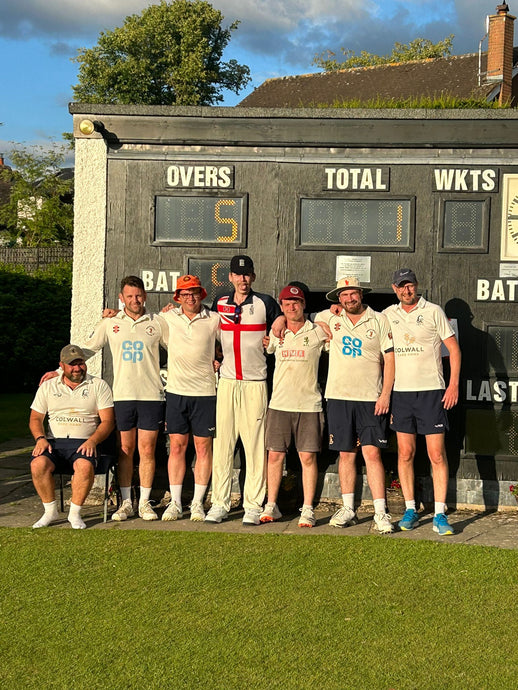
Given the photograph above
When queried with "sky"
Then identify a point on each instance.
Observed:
(275, 38)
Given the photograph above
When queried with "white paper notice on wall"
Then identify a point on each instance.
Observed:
(357, 266)
(508, 270)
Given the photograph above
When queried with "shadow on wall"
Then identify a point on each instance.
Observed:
(478, 428)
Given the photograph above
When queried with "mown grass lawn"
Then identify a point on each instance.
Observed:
(136, 609)
(14, 415)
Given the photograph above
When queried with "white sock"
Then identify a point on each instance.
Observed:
(144, 495)
(74, 517)
(348, 500)
(49, 515)
(125, 493)
(440, 508)
(307, 505)
(410, 505)
(176, 493)
(199, 493)
(380, 506)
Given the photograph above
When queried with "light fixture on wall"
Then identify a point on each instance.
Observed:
(86, 127)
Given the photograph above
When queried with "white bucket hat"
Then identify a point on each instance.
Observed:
(347, 283)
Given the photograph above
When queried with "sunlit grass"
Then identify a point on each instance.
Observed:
(146, 609)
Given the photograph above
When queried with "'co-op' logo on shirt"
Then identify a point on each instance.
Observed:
(132, 351)
(352, 347)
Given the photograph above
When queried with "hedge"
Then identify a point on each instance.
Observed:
(34, 323)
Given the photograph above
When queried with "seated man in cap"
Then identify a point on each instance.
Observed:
(296, 404)
(191, 331)
(133, 336)
(358, 396)
(420, 398)
(80, 417)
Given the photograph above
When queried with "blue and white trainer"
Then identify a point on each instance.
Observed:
(441, 525)
(409, 520)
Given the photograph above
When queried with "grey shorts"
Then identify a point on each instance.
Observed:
(305, 428)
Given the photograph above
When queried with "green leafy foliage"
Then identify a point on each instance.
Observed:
(170, 53)
(418, 49)
(35, 318)
(40, 212)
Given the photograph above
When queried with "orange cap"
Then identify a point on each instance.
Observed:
(186, 282)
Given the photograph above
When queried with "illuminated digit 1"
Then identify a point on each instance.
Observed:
(227, 221)
(214, 275)
(399, 225)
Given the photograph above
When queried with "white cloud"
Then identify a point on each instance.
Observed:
(292, 30)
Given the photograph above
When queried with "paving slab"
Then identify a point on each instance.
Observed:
(21, 507)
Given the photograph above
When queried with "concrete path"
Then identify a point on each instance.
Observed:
(21, 507)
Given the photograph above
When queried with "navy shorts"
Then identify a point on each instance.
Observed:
(64, 454)
(196, 413)
(420, 412)
(352, 422)
(305, 427)
(147, 415)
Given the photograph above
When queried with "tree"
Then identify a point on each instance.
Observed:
(418, 49)
(170, 53)
(39, 212)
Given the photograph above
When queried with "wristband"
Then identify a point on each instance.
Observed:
(37, 439)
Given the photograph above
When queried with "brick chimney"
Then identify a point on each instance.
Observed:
(500, 51)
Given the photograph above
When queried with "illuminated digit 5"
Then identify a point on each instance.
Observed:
(226, 221)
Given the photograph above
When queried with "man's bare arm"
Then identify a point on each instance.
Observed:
(38, 431)
(383, 402)
(106, 426)
(451, 394)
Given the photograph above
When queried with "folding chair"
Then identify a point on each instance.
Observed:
(106, 463)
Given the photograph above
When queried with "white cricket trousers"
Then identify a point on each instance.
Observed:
(240, 411)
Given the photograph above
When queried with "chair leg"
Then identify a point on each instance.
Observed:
(62, 500)
(106, 495)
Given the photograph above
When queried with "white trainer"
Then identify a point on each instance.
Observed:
(307, 517)
(197, 512)
(146, 512)
(172, 512)
(216, 514)
(252, 517)
(270, 513)
(343, 517)
(124, 511)
(382, 523)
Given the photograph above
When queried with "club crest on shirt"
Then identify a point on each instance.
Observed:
(420, 320)
(370, 334)
(150, 330)
(85, 393)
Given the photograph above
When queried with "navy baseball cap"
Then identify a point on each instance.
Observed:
(403, 275)
(241, 265)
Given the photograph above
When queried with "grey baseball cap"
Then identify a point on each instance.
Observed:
(404, 275)
(70, 353)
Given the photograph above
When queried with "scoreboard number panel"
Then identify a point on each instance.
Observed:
(213, 274)
(200, 220)
(385, 224)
